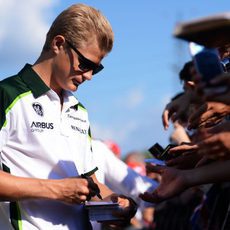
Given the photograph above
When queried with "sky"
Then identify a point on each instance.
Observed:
(125, 101)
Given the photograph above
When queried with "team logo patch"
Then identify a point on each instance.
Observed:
(38, 108)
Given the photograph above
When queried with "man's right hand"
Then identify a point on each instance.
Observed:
(74, 190)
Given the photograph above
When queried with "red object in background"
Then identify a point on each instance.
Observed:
(114, 147)
(138, 167)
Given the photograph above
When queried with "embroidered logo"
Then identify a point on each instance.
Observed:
(38, 108)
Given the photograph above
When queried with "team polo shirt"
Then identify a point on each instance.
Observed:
(39, 139)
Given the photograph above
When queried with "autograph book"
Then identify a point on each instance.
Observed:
(101, 211)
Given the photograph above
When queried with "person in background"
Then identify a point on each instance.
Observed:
(47, 168)
(180, 103)
(135, 160)
(179, 134)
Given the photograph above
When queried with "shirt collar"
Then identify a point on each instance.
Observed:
(70, 100)
(38, 86)
(34, 82)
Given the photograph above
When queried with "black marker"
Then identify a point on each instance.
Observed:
(98, 191)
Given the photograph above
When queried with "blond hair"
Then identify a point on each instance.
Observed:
(80, 24)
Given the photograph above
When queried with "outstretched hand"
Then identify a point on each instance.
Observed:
(216, 147)
(175, 109)
(173, 182)
(208, 114)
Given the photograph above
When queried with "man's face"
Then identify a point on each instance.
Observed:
(73, 66)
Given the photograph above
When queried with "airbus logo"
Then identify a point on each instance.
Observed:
(37, 126)
(42, 125)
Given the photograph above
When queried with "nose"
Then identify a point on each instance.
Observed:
(88, 75)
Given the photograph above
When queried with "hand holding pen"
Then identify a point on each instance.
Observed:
(94, 189)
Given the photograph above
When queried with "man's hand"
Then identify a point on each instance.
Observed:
(216, 147)
(127, 211)
(184, 147)
(187, 156)
(187, 160)
(208, 115)
(74, 190)
(175, 109)
(173, 183)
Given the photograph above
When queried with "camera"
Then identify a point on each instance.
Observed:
(161, 153)
(156, 150)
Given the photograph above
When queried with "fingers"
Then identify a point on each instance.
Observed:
(167, 113)
(150, 197)
(196, 114)
(175, 161)
(207, 115)
(183, 148)
(93, 188)
(208, 143)
(127, 207)
(82, 199)
(201, 162)
(199, 119)
(152, 168)
(220, 128)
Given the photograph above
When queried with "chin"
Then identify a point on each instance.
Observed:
(74, 88)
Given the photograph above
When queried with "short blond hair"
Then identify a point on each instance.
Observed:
(80, 24)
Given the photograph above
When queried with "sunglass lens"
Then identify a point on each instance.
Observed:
(98, 69)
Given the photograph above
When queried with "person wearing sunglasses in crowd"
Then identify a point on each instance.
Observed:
(46, 155)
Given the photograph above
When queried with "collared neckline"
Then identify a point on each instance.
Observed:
(34, 82)
(38, 86)
(70, 101)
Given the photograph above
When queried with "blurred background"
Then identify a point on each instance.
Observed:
(125, 101)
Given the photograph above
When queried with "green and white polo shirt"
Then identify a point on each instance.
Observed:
(38, 139)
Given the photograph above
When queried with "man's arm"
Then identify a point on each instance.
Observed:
(175, 181)
(69, 190)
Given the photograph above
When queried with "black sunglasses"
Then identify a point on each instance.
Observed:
(84, 63)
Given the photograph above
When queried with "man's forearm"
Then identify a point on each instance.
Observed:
(212, 173)
(19, 188)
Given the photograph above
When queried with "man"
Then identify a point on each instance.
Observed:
(45, 134)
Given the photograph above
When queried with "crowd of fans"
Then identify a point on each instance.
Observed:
(194, 188)
(198, 169)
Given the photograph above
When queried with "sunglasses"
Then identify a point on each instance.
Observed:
(84, 63)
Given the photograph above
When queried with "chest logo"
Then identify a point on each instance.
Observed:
(38, 108)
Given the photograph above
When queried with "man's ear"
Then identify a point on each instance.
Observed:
(57, 43)
(190, 84)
